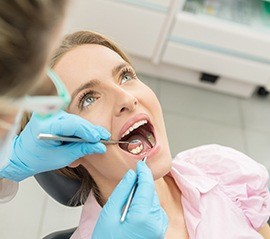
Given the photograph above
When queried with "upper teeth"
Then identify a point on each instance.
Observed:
(134, 126)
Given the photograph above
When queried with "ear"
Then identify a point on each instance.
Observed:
(75, 164)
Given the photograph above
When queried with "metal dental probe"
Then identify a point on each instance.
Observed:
(130, 197)
(76, 139)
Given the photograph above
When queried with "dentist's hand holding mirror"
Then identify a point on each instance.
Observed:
(31, 155)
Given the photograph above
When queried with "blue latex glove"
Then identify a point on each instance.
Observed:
(145, 217)
(31, 155)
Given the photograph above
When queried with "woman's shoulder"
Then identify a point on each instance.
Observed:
(217, 161)
(241, 178)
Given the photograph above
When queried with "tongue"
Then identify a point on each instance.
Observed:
(145, 143)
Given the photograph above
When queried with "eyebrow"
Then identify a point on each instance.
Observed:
(87, 85)
(95, 82)
(116, 69)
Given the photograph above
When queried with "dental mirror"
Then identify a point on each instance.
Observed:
(135, 146)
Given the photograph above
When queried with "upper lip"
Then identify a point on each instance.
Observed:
(131, 122)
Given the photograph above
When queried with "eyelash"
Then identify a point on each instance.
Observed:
(127, 71)
(87, 95)
(92, 94)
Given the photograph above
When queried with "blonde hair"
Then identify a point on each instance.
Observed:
(83, 38)
(25, 29)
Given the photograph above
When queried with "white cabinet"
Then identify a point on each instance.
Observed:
(220, 47)
(171, 40)
(134, 25)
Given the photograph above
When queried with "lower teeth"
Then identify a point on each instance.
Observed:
(140, 144)
(137, 150)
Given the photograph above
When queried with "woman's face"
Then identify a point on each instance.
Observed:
(106, 91)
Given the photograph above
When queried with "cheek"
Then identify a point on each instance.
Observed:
(111, 166)
(150, 100)
(162, 163)
(97, 115)
(151, 103)
(99, 118)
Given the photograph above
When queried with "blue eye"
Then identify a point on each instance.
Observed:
(127, 74)
(125, 78)
(87, 99)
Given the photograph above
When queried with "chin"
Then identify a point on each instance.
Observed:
(161, 164)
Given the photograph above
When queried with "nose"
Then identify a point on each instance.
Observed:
(125, 101)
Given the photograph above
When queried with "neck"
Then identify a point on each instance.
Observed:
(169, 195)
(170, 200)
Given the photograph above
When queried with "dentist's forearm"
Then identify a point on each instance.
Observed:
(8, 190)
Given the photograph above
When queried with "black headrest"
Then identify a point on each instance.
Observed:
(66, 234)
(59, 187)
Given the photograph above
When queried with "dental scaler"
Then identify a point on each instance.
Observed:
(130, 197)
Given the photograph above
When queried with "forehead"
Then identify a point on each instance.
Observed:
(86, 62)
(88, 57)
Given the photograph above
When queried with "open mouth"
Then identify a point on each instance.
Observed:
(142, 132)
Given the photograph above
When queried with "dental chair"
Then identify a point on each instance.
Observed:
(62, 189)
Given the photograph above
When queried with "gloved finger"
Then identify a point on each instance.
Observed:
(146, 189)
(79, 150)
(120, 194)
(156, 202)
(74, 125)
(73, 151)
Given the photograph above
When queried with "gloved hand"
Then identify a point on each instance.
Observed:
(145, 217)
(31, 155)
